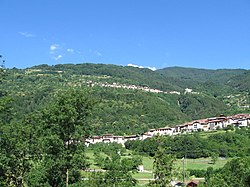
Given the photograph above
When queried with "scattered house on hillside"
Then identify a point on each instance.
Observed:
(175, 130)
(239, 120)
(184, 128)
(194, 126)
(94, 139)
(164, 131)
(215, 123)
(87, 143)
(118, 139)
(189, 127)
(174, 92)
(140, 168)
(204, 124)
(192, 184)
(228, 121)
(106, 140)
(248, 120)
(152, 132)
(238, 124)
(188, 90)
(110, 138)
(145, 136)
(243, 122)
(131, 137)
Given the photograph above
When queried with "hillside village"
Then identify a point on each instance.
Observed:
(132, 87)
(209, 124)
(135, 87)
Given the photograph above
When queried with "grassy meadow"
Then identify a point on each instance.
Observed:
(144, 177)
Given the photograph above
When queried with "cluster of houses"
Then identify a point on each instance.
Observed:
(209, 124)
(134, 87)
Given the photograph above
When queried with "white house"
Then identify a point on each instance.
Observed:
(239, 120)
(145, 136)
(214, 123)
(94, 139)
(194, 126)
(164, 131)
(118, 139)
(152, 132)
(131, 137)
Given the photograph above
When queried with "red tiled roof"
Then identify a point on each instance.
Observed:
(193, 182)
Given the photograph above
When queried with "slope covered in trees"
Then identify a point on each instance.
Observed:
(131, 111)
(220, 76)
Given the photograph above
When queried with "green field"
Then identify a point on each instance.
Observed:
(206, 134)
(144, 177)
(201, 163)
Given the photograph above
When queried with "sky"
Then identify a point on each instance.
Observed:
(155, 34)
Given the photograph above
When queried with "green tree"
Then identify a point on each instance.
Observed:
(119, 171)
(63, 129)
(214, 157)
(163, 168)
(18, 151)
(15, 146)
(234, 173)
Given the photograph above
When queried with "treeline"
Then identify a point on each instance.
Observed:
(228, 144)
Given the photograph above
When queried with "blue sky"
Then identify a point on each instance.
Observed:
(149, 33)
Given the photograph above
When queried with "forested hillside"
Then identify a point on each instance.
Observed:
(123, 103)
(220, 76)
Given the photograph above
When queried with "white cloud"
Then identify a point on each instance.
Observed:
(134, 65)
(70, 50)
(27, 35)
(54, 47)
(58, 57)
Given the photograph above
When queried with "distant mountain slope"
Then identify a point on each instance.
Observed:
(172, 78)
(120, 110)
(220, 76)
(123, 74)
(241, 82)
(213, 82)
